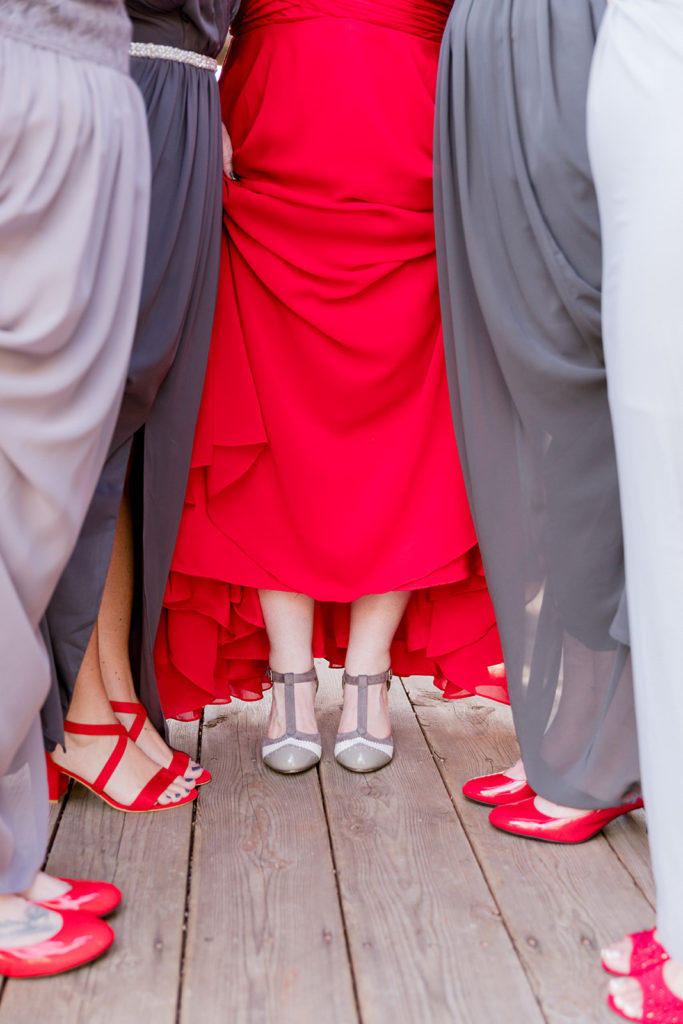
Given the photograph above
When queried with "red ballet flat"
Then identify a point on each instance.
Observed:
(524, 819)
(180, 762)
(494, 790)
(146, 800)
(97, 898)
(82, 938)
(646, 953)
(660, 1005)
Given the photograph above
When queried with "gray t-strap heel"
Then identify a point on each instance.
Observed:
(293, 751)
(358, 750)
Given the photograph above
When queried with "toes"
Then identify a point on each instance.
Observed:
(618, 956)
(628, 996)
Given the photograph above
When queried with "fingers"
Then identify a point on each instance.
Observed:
(228, 170)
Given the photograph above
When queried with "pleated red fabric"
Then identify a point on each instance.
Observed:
(325, 460)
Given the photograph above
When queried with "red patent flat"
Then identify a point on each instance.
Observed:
(646, 953)
(524, 819)
(660, 1005)
(180, 763)
(81, 939)
(97, 898)
(146, 800)
(494, 790)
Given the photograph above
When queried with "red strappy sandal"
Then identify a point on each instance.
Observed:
(660, 1005)
(181, 761)
(646, 953)
(145, 801)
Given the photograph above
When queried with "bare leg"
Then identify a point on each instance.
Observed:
(374, 621)
(87, 755)
(289, 624)
(113, 622)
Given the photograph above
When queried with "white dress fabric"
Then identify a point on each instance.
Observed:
(74, 195)
(636, 147)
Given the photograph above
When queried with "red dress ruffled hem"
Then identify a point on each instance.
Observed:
(212, 644)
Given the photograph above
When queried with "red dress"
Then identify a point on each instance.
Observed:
(325, 461)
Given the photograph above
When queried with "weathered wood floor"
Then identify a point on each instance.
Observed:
(331, 898)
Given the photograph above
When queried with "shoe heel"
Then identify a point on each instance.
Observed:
(57, 783)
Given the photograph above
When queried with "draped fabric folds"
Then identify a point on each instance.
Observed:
(74, 165)
(154, 431)
(520, 268)
(325, 461)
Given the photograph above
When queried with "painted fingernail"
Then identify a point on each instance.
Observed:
(233, 176)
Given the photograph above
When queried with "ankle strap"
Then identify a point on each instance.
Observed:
(362, 681)
(291, 677)
(81, 729)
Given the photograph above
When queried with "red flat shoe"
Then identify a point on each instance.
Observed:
(494, 790)
(646, 953)
(146, 800)
(96, 898)
(82, 938)
(524, 819)
(660, 1005)
(180, 762)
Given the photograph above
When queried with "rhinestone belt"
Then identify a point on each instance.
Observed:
(197, 60)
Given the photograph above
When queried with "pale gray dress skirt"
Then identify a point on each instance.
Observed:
(636, 146)
(155, 429)
(519, 273)
(74, 193)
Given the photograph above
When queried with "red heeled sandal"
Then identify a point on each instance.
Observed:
(646, 953)
(81, 938)
(496, 790)
(181, 761)
(96, 898)
(660, 1005)
(146, 800)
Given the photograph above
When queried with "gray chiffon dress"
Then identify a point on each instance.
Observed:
(520, 273)
(73, 223)
(163, 390)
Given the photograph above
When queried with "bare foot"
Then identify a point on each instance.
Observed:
(304, 701)
(379, 721)
(87, 756)
(557, 810)
(628, 993)
(46, 887)
(516, 771)
(24, 924)
(156, 748)
(618, 956)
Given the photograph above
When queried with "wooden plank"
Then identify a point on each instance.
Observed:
(560, 903)
(426, 938)
(265, 939)
(146, 855)
(628, 838)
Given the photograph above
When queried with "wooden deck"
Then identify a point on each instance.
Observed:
(332, 898)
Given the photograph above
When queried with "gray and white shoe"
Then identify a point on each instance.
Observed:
(294, 751)
(359, 751)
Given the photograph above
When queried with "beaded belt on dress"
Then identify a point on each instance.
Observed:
(198, 60)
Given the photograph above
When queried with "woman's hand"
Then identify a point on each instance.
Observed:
(227, 155)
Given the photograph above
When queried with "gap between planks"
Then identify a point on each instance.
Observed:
(560, 903)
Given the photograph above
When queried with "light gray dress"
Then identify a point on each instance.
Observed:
(520, 270)
(636, 146)
(156, 427)
(74, 195)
